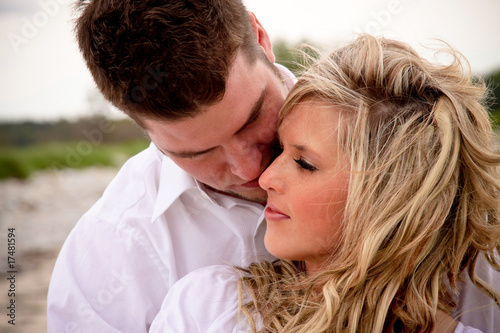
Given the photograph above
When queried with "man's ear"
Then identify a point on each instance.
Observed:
(262, 37)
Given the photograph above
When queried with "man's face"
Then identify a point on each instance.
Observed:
(230, 143)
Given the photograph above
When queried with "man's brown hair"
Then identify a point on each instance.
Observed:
(162, 59)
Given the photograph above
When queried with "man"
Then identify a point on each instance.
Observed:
(198, 77)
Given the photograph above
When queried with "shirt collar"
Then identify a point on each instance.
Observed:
(172, 183)
(287, 76)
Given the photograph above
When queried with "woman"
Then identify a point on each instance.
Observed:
(387, 189)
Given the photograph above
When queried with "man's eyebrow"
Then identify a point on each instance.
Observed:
(254, 115)
(188, 154)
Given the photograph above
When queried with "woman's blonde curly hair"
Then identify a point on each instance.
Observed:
(423, 202)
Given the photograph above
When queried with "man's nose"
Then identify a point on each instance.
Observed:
(245, 161)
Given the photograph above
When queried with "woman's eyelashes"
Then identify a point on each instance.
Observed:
(305, 165)
(300, 161)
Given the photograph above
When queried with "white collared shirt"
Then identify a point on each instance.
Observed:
(153, 225)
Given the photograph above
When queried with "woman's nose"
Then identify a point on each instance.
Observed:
(271, 178)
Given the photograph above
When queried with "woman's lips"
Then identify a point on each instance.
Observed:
(273, 214)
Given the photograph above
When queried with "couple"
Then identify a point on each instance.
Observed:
(199, 78)
(386, 190)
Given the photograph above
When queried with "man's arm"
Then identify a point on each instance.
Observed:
(104, 281)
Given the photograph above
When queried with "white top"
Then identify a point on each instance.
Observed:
(153, 225)
(206, 301)
(475, 308)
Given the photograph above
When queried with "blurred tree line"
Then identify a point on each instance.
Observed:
(98, 127)
(29, 147)
(95, 128)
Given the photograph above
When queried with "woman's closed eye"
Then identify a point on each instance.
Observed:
(305, 165)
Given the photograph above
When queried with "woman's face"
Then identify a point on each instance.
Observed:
(306, 186)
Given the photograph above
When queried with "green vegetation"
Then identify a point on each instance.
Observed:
(294, 56)
(495, 115)
(493, 82)
(21, 162)
(29, 147)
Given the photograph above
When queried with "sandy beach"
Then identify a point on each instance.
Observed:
(39, 212)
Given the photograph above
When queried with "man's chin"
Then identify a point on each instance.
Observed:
(257, 195)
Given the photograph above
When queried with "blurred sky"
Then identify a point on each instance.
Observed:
(42, 76)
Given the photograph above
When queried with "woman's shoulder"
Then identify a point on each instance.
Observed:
(207, 291)
(205, 300)
(208, 280)
(461, 328)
